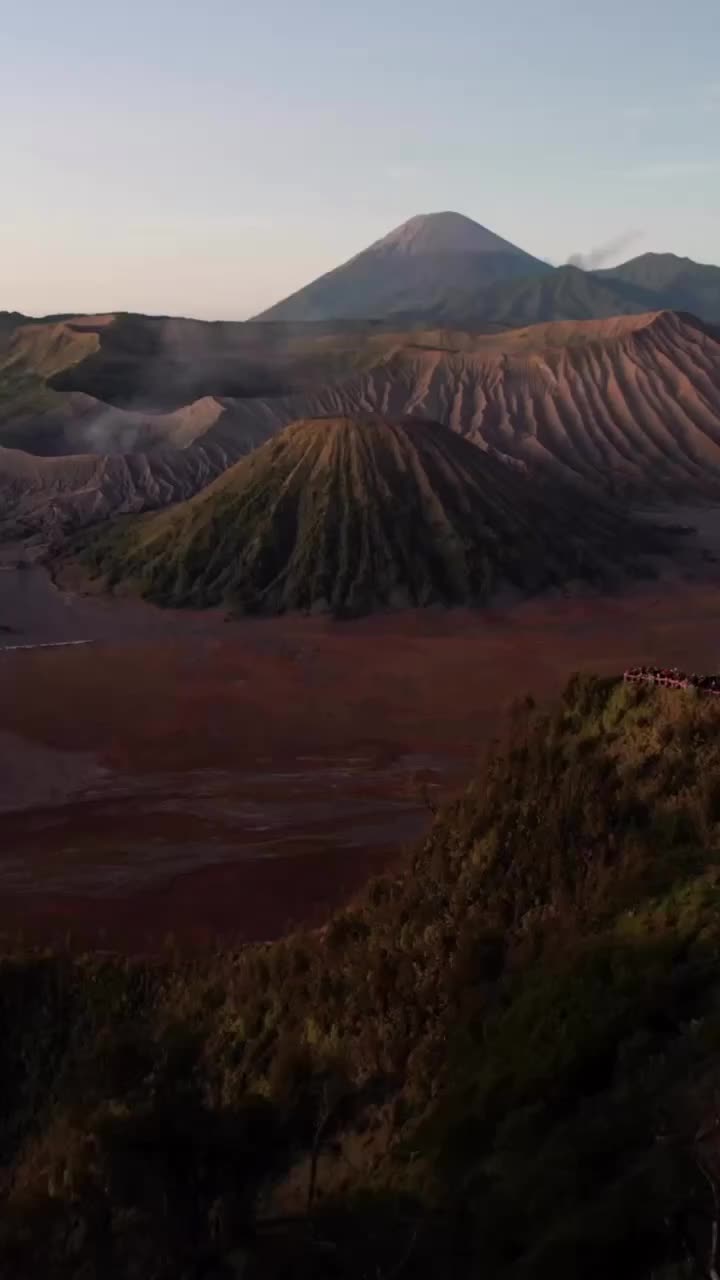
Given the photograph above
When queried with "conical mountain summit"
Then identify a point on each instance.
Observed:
(413, 268)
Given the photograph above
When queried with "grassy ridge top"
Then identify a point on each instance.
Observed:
(354, 513)
(503, 1059)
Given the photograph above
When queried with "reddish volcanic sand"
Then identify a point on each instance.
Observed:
(230, 780)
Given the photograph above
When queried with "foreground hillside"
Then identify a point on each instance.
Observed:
(502, 1060)
(356, 513)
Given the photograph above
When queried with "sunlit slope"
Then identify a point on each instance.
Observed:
(631, 403)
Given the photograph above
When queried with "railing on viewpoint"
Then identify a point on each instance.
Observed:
(672, 678)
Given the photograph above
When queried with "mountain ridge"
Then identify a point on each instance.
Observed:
(466, 275)
(564, 293)
(629, 405)
(679, 282)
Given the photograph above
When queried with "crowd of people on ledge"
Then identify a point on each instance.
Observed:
(673, 678)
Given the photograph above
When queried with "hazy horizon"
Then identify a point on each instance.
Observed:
(209, 162)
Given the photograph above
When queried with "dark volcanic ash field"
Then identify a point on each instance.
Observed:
(189, 776)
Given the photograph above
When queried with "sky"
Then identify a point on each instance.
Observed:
(172, 157)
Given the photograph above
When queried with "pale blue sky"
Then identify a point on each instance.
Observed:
(208, 158)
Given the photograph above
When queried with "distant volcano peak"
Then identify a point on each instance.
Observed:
(445, 232)
(414, 268)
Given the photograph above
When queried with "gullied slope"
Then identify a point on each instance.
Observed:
(80, 424)
(631, 404)
(67, 458)
(166, 458)
(351, 514)
(49, 496)
(412, 269)
(501, 1061)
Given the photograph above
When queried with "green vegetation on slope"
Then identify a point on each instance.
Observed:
(30, 354)
(351, 514)
(501, 1061)
(22, 394)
